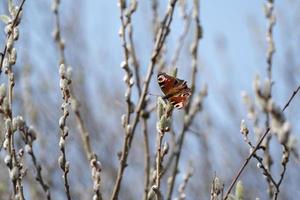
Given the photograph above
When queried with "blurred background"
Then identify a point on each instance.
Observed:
(232, 51)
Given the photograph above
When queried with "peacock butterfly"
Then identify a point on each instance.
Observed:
(176, 90)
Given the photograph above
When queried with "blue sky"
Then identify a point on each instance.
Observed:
(232, 50)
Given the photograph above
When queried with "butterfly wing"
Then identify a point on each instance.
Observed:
(176, 90)
(181, 99)
(169, 84)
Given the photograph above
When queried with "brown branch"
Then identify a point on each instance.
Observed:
(285, 159)
(14, 24)
(266, 172)
(29, 136)
(182, 187)
(159, 157)
(68, 95)
(190, 111)
(256, 148)
(162, 34)
(147, 158)
(270, 52)
(65, 81)
(194, 109)
(13, 159)
(94, 163)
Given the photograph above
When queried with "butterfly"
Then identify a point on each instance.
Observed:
(176, 90)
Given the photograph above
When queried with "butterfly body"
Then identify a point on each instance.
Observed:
(176, 90)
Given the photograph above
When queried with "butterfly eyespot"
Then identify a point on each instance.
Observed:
(178, 105)
(161, 78)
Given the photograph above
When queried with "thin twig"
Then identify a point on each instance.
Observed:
(194, 109)
(265, 167)
(65, 81)
(14, 24)
(256, 148)
(94, 163)
(285, 159)
(147, 157)
(162, 34)
(182, 187)
(159, 157)
(13, 159)
(190, 112)
(29, 137)
(270, 52)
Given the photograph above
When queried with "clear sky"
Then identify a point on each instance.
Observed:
(232, 51)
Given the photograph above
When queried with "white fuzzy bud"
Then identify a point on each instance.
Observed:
(21, 153)
(7, 159)
(14, 124)
(7, 28)
(96, 186)
(5, 143)
(165, 148)
(93, 162)
(8, 124)
(267, 88)
(127, 93)
(244, 130)
(218, 186)
(10, 43)
(62, 142)
(6, 65)
(284, 133)
(13, 56)
(258, 165)
(61, 161)
(292, 142)
(14, 173)
(5, 105)
(66, 131)
(120, 32)
(131, 82)
(128, 129)
(62, 43)
(99, 165)
(16, 33)
(14, 11)
(69, 72)
(28, 149)
(123, 120)
(54, 6)
(2, 91)
(256, 82)
(32, 132)
(55, 34)
(62, 70)
(95, 197)
(63, 84)
(20, 122)
(126, 78)
(67, 167)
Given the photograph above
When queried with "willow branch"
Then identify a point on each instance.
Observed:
(233, 182)
(160, 39)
